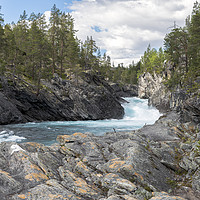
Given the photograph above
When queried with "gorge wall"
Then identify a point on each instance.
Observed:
(187, 108)
(156, 162)
(152, 87)
(89, 98)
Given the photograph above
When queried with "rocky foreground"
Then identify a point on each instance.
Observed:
(159, 161)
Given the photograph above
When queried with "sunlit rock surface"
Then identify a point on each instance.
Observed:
(135, 165)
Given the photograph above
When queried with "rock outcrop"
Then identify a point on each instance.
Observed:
(187, 107)
(151, 87)
(91, 98)
(154, 162)
(191, 110)
(125, 90)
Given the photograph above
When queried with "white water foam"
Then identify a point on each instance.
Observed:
(139, 111)
(137, 114)
(8, 136)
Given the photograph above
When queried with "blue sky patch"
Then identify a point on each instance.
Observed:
(96, 28)
(13, 9)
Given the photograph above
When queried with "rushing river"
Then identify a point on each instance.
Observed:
(137, 114)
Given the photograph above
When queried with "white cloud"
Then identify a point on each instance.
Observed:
(128, 26)
(47, 15)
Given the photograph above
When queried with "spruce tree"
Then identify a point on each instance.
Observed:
(194, 42)
(54, 35)
(2, 44)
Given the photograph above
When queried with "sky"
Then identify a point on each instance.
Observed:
(121, 28)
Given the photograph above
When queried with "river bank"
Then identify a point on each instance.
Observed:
(159, 161)
(89, 98)
(137, 114)
(149, 163)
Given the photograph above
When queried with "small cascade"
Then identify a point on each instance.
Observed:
(137, 114)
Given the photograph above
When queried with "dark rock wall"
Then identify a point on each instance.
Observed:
(92, 98)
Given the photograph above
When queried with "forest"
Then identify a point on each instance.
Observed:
(34, 49)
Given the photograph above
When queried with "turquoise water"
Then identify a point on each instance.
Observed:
(137, 114)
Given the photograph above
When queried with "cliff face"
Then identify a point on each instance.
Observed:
(91, 98)
(152, 87)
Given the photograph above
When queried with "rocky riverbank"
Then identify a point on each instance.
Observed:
(158, 161)
(187, 107)
(91, 98)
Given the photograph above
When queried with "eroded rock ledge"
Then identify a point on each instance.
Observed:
(89, 98)
(154, 162)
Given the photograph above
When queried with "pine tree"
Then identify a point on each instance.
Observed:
(194, 42)
(68, 43)
(10, 48)
(176, 46)
(38, 48)
(90, 49)
(54, 35)
(73, 51)
(20, 31)
(1, 31)
(63, 32)
(2, 43)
